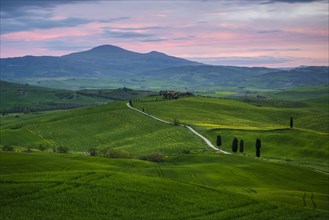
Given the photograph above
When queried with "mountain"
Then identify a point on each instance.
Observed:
(300, 76)
(106, 60)
(208, 77)
(110, 66)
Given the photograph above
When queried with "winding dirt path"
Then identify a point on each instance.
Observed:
(186, 126)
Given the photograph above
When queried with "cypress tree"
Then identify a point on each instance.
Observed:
(258, 146)
(219, 141)
(235, 145)
(241, 146)
(291, 122)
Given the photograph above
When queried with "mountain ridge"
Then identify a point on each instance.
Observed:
(106, 60)
(109, 66)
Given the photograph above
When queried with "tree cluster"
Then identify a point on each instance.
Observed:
(239, 146)
(170, 95)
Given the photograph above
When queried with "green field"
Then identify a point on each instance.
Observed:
(18, 98)
(289, 181)
(108, 126)
(26, 98)
(307, 142)
(59, 186)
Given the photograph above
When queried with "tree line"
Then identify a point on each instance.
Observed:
(240, 146)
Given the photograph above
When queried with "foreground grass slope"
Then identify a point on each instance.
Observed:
(57, 186)
(307, 141)
(109, 126)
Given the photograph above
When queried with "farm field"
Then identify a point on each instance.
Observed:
(193, 186)
(19, 98)
(26, 98)
(307, 142)
(111, 126)
(289, 181)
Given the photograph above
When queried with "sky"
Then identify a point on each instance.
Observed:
(271, 33)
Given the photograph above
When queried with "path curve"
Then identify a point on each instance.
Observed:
(186, 126)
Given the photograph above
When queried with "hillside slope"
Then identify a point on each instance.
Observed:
(33, 185)
(306, 142)
(109, 126)
(15, 97)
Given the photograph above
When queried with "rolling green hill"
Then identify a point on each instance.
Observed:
(307, 141)
(193, 182)
(107, 126)
(59, 186)
(26, 98)
(116, 126)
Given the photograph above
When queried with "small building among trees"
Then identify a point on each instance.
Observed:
(172, 94)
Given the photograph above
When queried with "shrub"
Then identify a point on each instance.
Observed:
(28, 150)
(61, 149)
(42, 147)
(154, 157)
(92, 151)
(115, 153)
(8, 148)
(186, 151)
(176, 122)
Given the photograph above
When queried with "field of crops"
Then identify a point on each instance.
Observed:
(307, 141)
(109, 126)
(60, 186)
(192, 183)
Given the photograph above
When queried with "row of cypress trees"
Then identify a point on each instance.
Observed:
(236, 146)
(240, 146)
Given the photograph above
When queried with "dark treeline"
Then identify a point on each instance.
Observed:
(98, 94)
(116, 94)
(261, 101)
(172, 94)
(43, 107)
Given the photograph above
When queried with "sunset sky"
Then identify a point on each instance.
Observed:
(272, 33)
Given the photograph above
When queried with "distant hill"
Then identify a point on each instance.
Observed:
(16, 98)
(300, 76)
(109, 66)
(102, 61)
(208, 77)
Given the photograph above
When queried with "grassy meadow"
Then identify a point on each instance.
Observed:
(307, 142)
(109, 126)
(194, 186)
(26, 98)
(289, 181)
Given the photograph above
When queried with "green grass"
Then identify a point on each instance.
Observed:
(59, 186)
(307, 141)
(109, 126)
(198, 185)
(18, 98)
